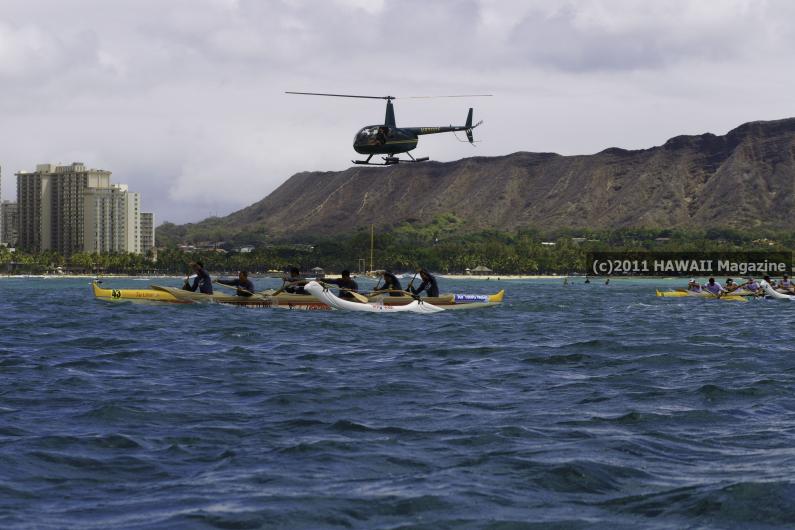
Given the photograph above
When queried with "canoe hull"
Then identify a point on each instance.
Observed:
(132, 295)
(702, 295)
(296, 302)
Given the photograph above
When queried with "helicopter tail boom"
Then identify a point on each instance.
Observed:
(467, 128)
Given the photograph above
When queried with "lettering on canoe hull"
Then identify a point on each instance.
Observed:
(464, 298)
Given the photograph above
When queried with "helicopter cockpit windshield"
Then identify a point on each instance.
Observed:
(371, 135)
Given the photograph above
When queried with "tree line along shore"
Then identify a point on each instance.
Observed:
(520, 253)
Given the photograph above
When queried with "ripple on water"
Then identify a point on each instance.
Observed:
(574, 407)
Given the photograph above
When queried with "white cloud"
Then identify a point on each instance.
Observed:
(183, 100)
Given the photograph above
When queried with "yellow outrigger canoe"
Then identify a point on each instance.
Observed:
(158, 293)
(741, 296)
(134, 295)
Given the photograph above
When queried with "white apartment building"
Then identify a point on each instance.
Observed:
(112, 220)
(147, 232)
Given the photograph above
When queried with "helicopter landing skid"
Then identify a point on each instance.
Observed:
(389, 160)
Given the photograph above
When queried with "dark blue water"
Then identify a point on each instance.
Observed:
(586, 406)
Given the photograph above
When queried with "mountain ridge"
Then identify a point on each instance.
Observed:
(744, 178)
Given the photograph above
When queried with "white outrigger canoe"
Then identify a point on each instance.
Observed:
(772, 293)
(327, 297)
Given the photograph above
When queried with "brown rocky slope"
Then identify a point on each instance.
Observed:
(744, 179)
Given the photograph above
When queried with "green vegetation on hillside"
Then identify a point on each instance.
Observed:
(438, 246)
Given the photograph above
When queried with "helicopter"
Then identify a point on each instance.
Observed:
(389, 139)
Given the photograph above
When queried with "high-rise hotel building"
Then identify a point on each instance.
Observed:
(72, 209)
(112, 220)
(8, 223)
(147, 232)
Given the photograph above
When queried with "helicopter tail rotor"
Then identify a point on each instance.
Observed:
(468, 127)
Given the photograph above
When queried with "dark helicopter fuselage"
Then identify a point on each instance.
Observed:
(383, 140)
(389, 139)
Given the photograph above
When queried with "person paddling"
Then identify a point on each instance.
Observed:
(785, 284)
(391, 283)
(294, 282)
(245, 287)
(347, 285)
(730, 285)
(694, 286)
(714, 287)
(751, 285)
(202, 281)
(428, 284)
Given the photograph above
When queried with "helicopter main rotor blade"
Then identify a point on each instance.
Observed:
(339, 95)
(389, 97)
(454, 96)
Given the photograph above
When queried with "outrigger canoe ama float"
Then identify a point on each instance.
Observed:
(332, 300)
(159, 293)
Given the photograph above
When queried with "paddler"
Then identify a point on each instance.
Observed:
(785, 284)
(201, 281)
(428, 284)
(730, 285)
(294, 282)
(245, 287)
(714, 287)
(750, 285)
(345, 283)
(391, 283)
(694, 286)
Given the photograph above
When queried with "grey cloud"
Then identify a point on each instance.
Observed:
(183, 100)
(571, 38)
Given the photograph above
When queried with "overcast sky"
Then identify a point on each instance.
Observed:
(183, 99)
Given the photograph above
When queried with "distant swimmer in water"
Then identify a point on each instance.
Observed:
(714, 287)
(607, 281)
(428, 284)
(391, 283)
(587, 280)
(202, 281)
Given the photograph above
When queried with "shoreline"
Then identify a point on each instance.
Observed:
(492, 278)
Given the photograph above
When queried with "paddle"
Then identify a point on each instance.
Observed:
(408, 287)
(285, 285)
(217, 282)
(186, 281)
(382, 291)
(361, 298)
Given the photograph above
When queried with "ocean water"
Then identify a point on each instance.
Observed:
(587, 406)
